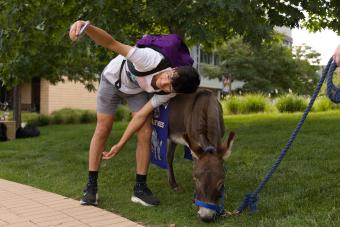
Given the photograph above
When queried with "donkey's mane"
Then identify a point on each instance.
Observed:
(207, 125)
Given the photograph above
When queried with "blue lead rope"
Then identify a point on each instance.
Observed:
(334, 94)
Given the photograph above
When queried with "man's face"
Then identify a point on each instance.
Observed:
(164, 80)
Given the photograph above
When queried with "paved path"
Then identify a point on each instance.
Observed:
(25, 206)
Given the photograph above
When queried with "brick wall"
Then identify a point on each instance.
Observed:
(26, 93)
(65, 95)
(44, 95)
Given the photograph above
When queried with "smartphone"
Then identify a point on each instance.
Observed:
(83, 29)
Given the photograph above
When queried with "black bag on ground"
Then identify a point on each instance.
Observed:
(30, 130)
(3, 132)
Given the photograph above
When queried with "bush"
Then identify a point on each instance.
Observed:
(88, 117)
(254, 104)
(56, 119)
(291, 103)
(322, 104)
(122, 113)
(41, 120)
(35, 118)
(29, 116)
(231, 105)
(63, 116)
(72, 116)
(246, 104)
(71, 119)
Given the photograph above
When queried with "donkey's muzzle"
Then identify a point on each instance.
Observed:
(206, 215)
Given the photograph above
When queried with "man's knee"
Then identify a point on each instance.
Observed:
(102, 131)
(104, 126)
(144, 133)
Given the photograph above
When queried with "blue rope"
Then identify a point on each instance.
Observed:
(251, 198)
(333, 92)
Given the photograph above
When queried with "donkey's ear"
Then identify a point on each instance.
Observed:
(226, 146)
(196, 149)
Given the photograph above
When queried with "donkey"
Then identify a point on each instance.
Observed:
(196, 120)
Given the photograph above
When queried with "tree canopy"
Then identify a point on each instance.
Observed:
(34, 33)
(268, 68)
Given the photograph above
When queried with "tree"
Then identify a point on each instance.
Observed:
(267, 68)
(322, 14)
(33, 33)
(34, 42)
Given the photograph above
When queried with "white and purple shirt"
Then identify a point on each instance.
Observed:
(144, 60)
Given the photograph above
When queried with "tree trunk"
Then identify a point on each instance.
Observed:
(17, 106)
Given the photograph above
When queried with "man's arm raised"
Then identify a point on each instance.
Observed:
(99, 36)
(135, 124)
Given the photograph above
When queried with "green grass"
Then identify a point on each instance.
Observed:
(305, 191)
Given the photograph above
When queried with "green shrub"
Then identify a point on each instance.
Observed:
(66, 111)
(29, 116)
(56, 119)
(254, 104)
(63, 116)
(246, 104)
(41, 120)
(322, 104)
(88, 117)
(73, 116)
(232, 105)
(122, 113)
(291, 103)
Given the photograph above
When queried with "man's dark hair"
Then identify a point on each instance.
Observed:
(187, 80)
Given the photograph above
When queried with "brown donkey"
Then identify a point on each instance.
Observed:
(196, 120)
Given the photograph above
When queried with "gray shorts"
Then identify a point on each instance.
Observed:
(109, 97)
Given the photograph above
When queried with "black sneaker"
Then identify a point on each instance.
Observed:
(90, 196)
(143, 195)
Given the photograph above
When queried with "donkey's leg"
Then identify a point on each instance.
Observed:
(170, 158)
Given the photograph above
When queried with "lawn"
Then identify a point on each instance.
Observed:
(305, 191)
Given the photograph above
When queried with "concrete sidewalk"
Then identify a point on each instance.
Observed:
(22, 205)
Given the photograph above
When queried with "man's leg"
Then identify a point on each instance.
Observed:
(142, 193)
(97, 146)
(107, 101)
(143, 149)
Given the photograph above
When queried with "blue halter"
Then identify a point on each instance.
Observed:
(219, 209)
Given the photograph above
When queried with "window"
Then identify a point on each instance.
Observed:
(209, 58)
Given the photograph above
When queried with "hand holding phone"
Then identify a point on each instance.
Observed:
(83, 28)
(77, 29)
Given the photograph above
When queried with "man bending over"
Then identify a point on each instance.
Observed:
(136, 91)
